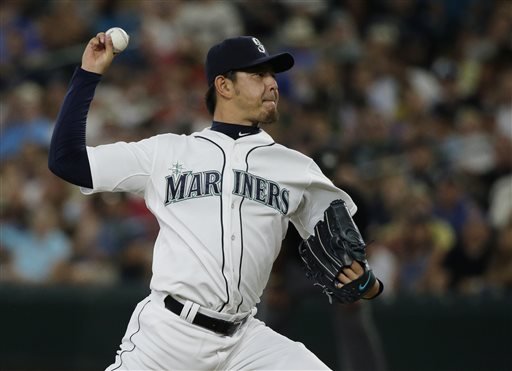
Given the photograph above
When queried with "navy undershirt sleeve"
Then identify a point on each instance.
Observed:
(67, 157)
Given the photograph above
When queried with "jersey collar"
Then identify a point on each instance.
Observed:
(259, 138)
(234, 131)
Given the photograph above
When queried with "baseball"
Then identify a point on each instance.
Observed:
(119, 37)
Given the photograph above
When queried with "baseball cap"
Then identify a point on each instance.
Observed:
(242, 52)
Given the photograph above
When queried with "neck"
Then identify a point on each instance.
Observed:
(233, 121)
(221, 115)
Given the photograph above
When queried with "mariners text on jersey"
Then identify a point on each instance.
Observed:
(188, 185)
(261, 190)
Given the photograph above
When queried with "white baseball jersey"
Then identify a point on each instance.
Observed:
(223, 207)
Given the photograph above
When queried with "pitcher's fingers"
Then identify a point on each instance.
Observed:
(343, 278)
(109, 44)
(357, 267)
(101, 37)
(350, 274)
(94, 42)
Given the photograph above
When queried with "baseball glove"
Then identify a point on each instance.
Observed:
(335, 245)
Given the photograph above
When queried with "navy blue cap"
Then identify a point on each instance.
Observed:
(242, 52)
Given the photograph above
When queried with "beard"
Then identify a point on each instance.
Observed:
(270, 117)
(269, 114)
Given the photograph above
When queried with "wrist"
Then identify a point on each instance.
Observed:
(375, 291)
(91, 70)
(87, 70)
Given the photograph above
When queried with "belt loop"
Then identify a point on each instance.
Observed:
(192, 313)
(189, 311)
(186, 310)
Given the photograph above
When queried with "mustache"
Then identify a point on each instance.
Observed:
(271, 97)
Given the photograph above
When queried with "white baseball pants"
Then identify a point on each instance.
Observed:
(157, 339)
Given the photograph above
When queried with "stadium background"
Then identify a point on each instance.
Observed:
(406, 104)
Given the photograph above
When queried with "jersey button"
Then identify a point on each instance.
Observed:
(232, 205)
(232, 237)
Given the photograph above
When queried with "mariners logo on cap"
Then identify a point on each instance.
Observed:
(260, 46)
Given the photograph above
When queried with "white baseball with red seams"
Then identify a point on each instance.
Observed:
(120, 38)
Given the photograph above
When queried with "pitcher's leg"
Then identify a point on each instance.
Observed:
(262, 348)
(127, 355)
(158, 339)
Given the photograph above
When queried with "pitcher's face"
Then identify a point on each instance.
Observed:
(257, 95)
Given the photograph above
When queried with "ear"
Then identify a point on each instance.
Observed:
(224, 86)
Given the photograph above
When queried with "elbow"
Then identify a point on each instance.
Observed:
(53, 165)
(74, 169)
(58, 164)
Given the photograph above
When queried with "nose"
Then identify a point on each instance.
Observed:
(271, 82)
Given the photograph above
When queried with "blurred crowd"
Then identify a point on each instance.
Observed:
(406, 104)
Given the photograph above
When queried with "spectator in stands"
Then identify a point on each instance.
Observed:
(500, 202)
(467, 264)
(451, 202)
(35, 251)
(208, 21)
(24, 122)
(499, 270)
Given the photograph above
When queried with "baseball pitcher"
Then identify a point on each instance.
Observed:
(223, 198)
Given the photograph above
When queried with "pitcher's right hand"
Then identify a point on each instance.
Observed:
(98, 54)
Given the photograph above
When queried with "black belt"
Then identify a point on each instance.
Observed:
(217, 325)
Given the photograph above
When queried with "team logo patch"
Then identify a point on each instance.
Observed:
(260, 46)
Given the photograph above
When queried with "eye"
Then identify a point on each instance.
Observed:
(265, 74)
